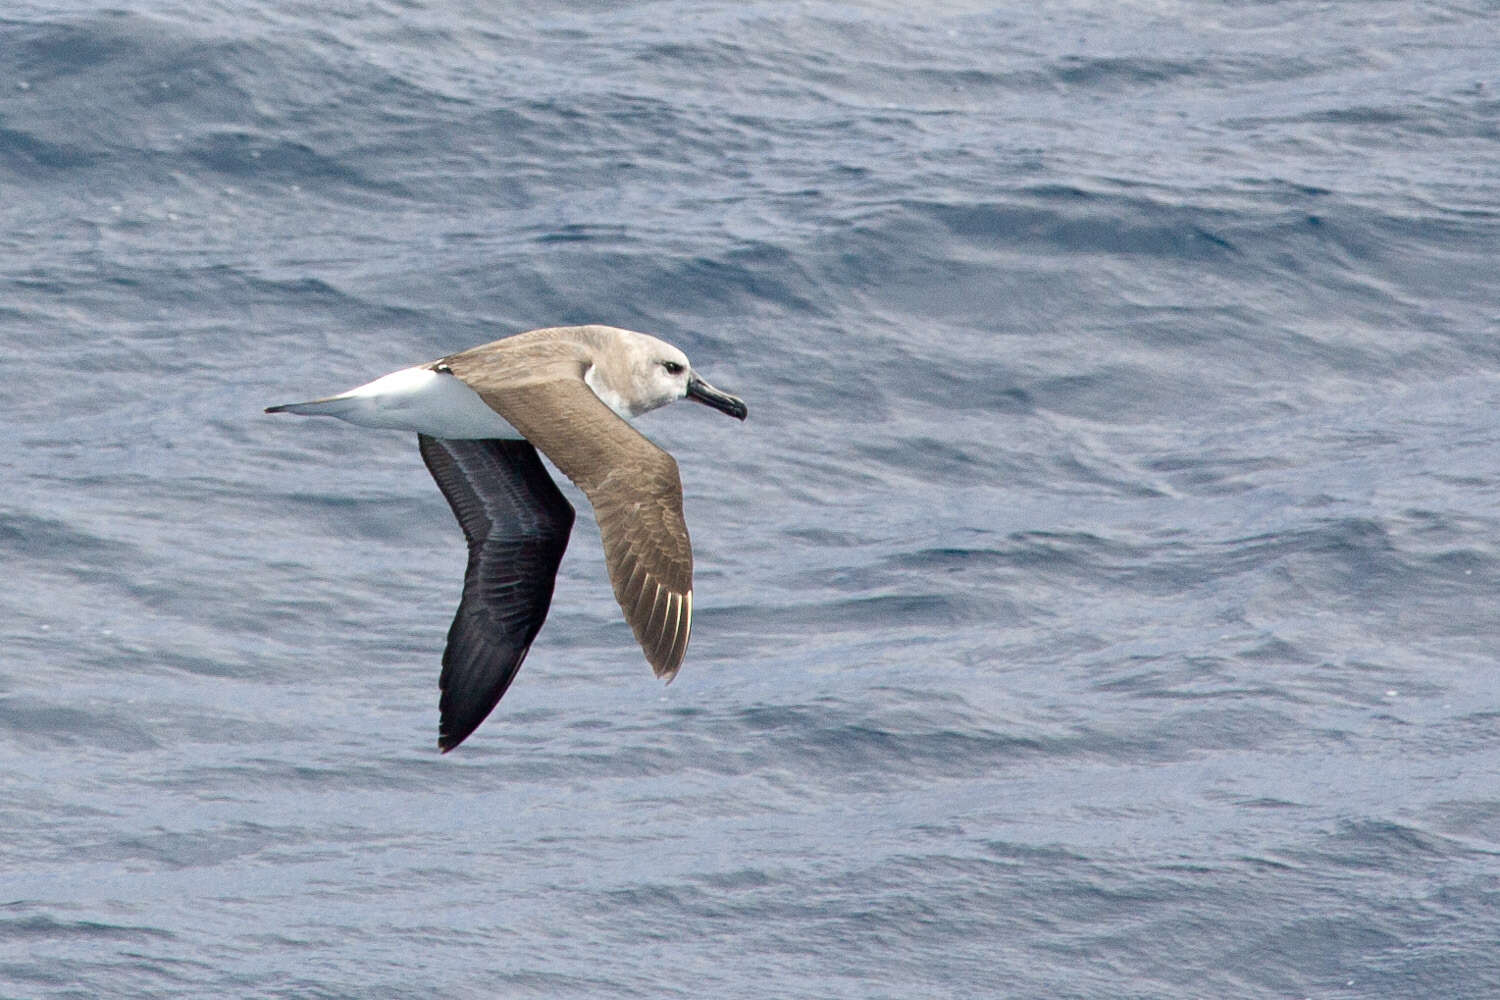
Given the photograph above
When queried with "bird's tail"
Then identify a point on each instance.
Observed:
(330, 406)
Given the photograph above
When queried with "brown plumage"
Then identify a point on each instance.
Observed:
(568, 392)
(637, 498)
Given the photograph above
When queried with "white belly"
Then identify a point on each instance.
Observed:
(416, 399)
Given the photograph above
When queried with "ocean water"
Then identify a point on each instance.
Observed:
(1100, 601)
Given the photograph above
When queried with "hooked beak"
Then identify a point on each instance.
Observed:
(721, 401)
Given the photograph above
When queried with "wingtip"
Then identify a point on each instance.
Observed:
(447, 739)
(670, 659)
(276, 409)
(450, 737)
(666, 670)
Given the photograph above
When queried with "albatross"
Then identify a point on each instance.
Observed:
(480, 417)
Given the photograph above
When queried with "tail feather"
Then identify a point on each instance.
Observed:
(331, 406)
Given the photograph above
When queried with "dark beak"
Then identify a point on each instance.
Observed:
(721, 401)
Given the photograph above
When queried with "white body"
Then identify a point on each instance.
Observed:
(415, 399)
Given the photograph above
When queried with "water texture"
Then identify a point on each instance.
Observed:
(1100, 601)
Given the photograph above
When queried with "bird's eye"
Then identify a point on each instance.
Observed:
(672, 367)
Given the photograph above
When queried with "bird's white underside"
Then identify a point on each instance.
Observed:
(433, 403)
(415, 399)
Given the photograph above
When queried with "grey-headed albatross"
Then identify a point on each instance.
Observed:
(480, 416)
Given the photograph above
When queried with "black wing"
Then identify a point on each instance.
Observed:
(516, 523)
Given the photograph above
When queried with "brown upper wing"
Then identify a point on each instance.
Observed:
(637, 498)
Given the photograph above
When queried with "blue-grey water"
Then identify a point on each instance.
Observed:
(1100, 601)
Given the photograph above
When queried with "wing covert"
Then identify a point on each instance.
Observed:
(637, 497)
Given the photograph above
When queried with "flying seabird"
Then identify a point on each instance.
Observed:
(480, 416)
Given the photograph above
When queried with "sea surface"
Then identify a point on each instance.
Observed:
(1101, 601)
